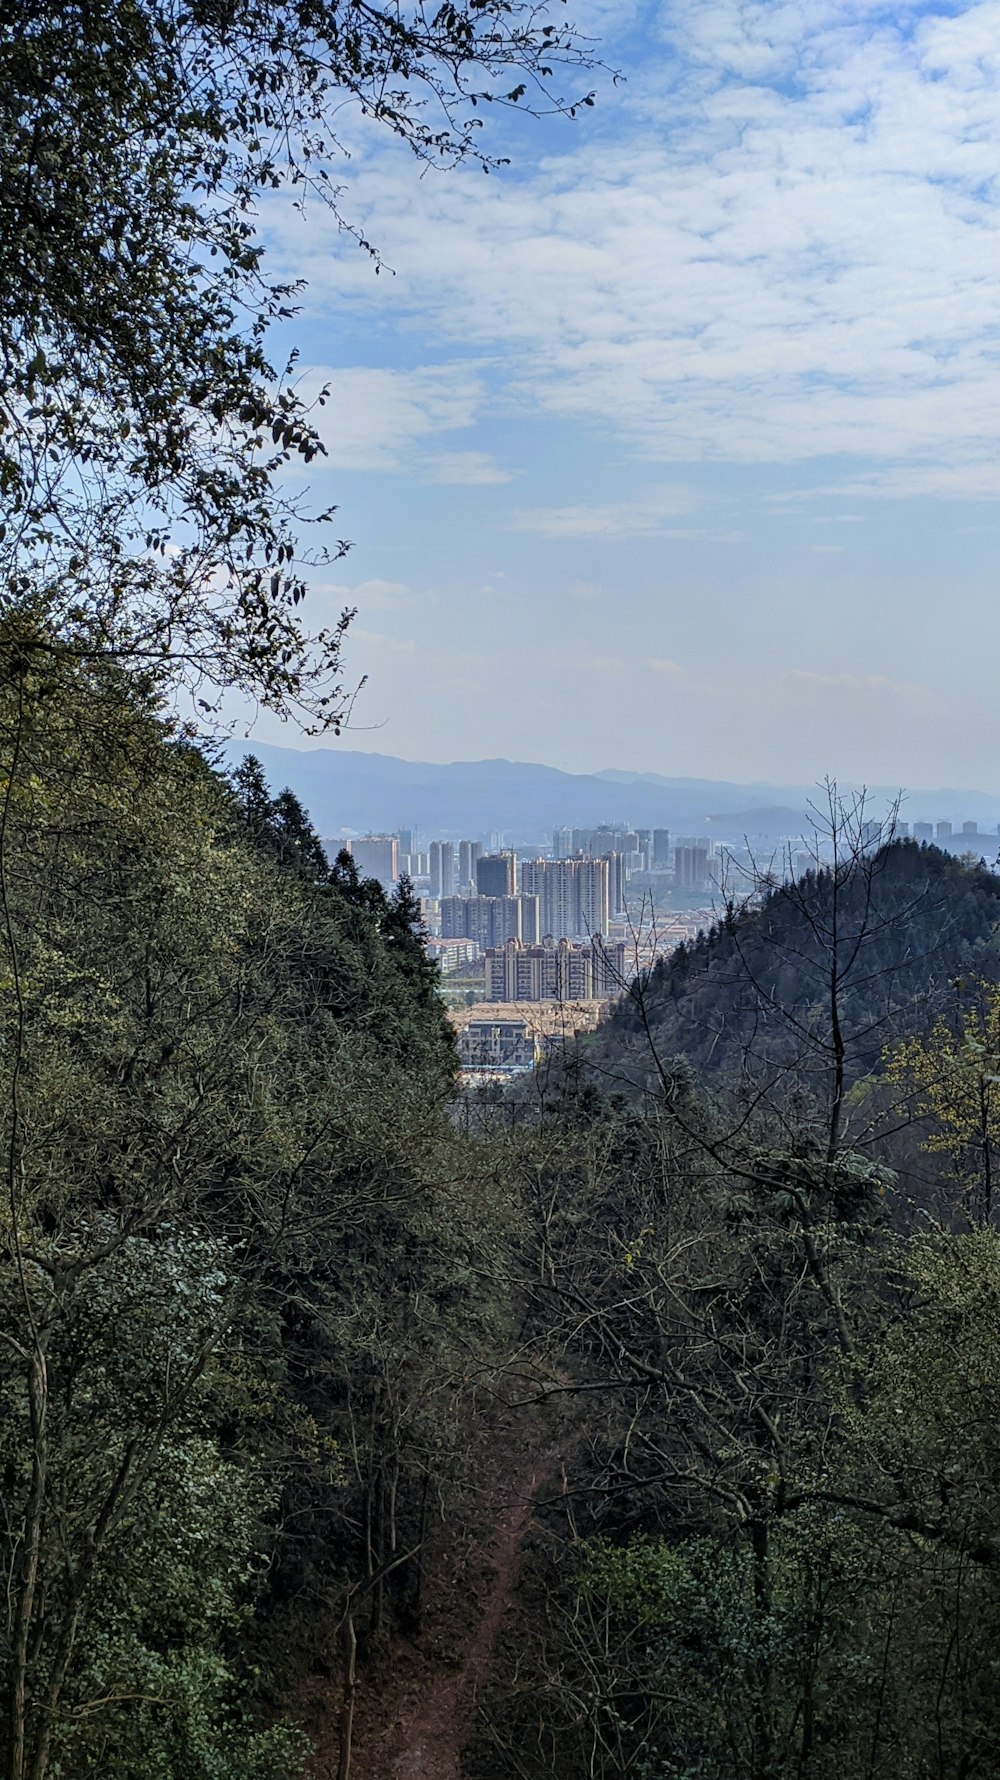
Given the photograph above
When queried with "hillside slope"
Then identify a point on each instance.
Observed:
(898, 942)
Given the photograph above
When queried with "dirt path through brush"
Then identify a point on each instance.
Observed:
(430, 1738)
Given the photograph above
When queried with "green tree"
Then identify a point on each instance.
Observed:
(142, 427)
(220, 1073)
(952, 1078)
(146, 1538)
(776, 1557)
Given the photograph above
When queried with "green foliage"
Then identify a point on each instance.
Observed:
(246, 1257)
(143, 430)
(152, 1537)
(251, 1275)
(777, 1557)
(951, 1075)
(247, 1266)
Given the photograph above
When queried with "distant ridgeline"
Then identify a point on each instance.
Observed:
(900, 939)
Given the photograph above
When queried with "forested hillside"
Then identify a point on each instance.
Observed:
(871, 946)
(246, 1262)
(764, 1281)
(269, 1306)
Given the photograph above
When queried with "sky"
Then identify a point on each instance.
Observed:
(675, 445)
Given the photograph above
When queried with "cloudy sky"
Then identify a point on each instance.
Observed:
(676, 445)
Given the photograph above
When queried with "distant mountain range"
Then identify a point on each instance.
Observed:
(350, 792)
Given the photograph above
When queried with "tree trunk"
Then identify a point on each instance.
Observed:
(18, 1709)
(764, 1763)
(350, 1688)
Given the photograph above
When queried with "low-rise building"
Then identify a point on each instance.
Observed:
(451, 954)
(502, 1046)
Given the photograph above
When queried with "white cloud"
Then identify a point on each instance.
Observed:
(783, 242)
(661, 664)
(876, 688)
(615, 519)
(471, 469)
(377, 639)
(375, 419)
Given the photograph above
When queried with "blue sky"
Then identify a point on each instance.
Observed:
(676, 445)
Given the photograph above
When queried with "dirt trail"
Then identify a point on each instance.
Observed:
(429, 1738)
(416, 1698)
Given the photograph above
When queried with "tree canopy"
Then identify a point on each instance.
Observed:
(143, 428)
(241, 1245)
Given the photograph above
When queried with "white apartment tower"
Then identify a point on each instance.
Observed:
(574, 895)
(468, 853)
(442, 872)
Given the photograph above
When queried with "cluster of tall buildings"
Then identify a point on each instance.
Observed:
(543, 923)
(579, 881)
(494, 897)
(641, 849)
(555, 898)
(557, 924)
(490, 920)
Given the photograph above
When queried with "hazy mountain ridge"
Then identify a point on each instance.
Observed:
(348, 789)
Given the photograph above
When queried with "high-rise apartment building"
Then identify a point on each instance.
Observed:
(617, 879)
(574, 895)
(609, 964)
(376, 856)
(923, 831)
(442, 872)
(531, 918)
(944, 831)
(691, 865)
(468, 853)
(661, 849)
(496, 874)
(608, 837)
(490, 920)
